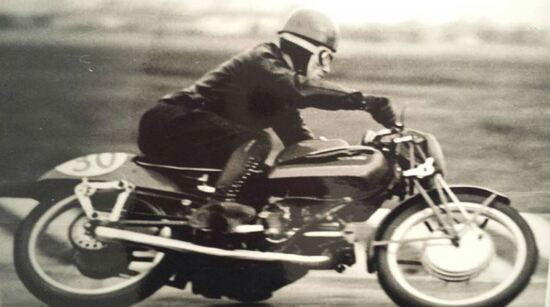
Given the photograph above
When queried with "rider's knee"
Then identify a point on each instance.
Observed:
(259, 146)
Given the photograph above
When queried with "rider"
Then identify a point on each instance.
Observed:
(219, 121)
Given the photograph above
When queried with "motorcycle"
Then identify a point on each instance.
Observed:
(112, 228)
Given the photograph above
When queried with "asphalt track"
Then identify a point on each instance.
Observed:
(318, 288)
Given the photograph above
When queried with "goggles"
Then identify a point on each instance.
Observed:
(323, 55)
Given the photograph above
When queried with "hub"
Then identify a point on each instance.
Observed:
(94, 258)
(460, 262)
(81, 235)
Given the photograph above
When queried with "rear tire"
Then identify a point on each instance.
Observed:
(401, 290)
(36, 273)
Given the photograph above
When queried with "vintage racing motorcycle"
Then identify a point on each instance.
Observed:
(112, 228)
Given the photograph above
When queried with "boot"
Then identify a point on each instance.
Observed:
(224, 211)
(218, 216)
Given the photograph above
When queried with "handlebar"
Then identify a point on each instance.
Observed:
(398, 127)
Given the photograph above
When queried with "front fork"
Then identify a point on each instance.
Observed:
(447, 198)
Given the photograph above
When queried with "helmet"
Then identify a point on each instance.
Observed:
(314, 26)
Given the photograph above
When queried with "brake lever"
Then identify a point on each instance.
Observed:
(398, 127)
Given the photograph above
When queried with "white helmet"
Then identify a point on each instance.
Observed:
(314, 26)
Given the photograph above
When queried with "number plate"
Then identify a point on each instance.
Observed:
(93, 165)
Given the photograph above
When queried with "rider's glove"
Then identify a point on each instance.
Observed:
(381, 110)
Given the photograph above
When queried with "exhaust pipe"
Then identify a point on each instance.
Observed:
(109, 233)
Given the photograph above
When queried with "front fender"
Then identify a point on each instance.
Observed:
(457, 189)
(101, 167)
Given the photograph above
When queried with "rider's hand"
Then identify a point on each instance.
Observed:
(381, 110)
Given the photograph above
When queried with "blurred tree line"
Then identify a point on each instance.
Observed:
(252, 24)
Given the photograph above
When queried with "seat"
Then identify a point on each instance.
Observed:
(149, 162)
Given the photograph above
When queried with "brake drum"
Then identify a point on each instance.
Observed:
(467, 259)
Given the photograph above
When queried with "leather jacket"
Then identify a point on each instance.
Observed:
(258, 89)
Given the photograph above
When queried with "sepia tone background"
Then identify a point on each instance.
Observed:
(75, 76)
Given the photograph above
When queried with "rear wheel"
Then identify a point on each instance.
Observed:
(489, 265)
(62, 263)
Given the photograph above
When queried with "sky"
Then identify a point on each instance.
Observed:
(504, 12)
(536, 12)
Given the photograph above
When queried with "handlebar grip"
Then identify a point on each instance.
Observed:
(398, 127)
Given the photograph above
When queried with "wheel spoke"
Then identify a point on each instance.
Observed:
(142, 258)
(409, 262)
(429, 226)
(129, 273)
(484, 224)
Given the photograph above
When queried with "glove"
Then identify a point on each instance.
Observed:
(381, 110)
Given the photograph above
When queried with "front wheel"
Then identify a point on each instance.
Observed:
(58, 260)
(489, 264)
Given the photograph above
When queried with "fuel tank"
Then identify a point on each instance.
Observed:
(329, 169)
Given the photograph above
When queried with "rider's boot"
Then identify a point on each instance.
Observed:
(224, 210)
(221, 216)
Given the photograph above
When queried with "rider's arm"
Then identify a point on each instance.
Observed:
(290, 127)
(279, 80)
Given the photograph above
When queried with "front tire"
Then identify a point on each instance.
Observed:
(501, 260)
(48, 263)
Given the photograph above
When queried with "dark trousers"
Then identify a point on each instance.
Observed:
(179, 135)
